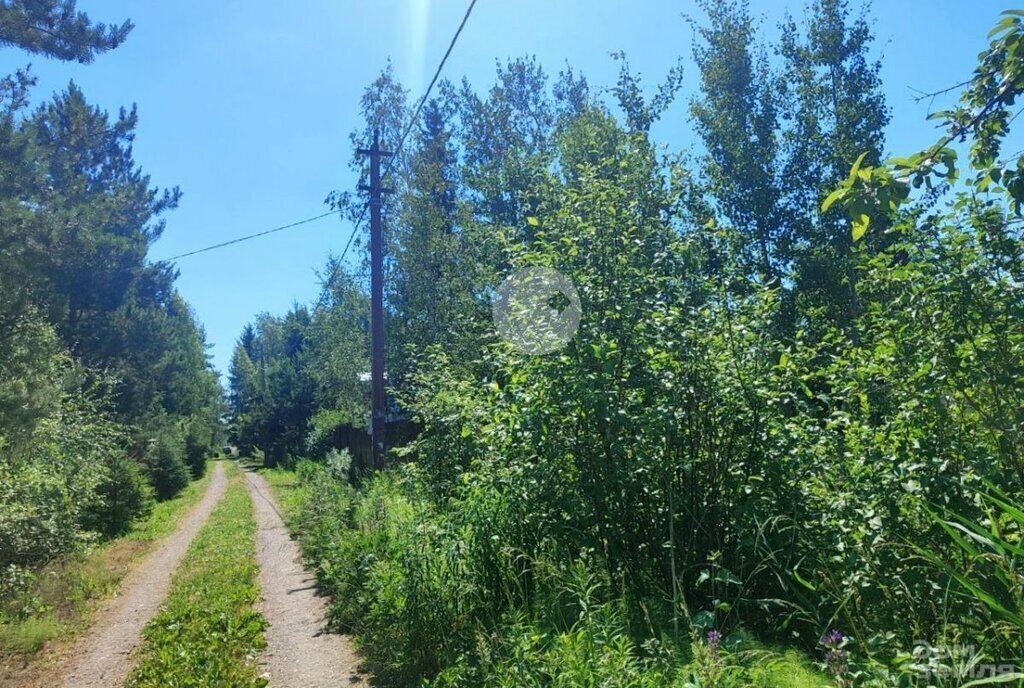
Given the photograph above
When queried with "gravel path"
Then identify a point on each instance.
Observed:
(300, 653)
(102, 658)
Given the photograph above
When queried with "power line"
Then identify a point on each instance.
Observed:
(426, 94)
(413, 119)
(387, 170)
(251, 236)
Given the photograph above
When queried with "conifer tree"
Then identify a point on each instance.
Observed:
(55, 28)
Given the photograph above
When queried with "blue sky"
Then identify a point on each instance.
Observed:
(247, 106)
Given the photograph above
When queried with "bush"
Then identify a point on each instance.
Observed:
(165, 460)
(124, 496)
(197, 447)
(48, 485)
(338, 464)
(399, 570)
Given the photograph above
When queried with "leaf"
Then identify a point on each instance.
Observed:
(531, 220)
(832, 198)
(856, 165)
(998, 678)
(727, 576)
(807, 584)
(703, 620)
(860, 226)
(1002, 26)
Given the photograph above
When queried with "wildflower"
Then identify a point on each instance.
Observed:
(714, 642)
(836, 656)
(832, 639)
(710, 665)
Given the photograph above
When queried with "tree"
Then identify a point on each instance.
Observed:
(54, 28)
(431, 293)
(505, 139)
(88, 323)
(836, 113)
(737, 117)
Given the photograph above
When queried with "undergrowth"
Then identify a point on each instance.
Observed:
(56, 601)
(429, 605)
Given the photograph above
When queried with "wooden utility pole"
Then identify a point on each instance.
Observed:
(379, 401)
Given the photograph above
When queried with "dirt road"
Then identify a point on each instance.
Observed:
(300, 654)
(102, 658)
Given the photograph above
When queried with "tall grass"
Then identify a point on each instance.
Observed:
(434, 597)
(985, 569)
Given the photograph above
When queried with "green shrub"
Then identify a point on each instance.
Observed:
(164, 457)
(338, 464)
(378, 555)
(197, 449)
(399, 571)
(124, 496)
(50, 484)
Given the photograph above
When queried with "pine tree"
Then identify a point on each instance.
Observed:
(54, 28)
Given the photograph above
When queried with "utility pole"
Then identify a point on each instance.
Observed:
(379, 401)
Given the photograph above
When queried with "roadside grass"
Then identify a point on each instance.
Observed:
(288, 491)
(395, 584)
(60, 601)
(208, 633)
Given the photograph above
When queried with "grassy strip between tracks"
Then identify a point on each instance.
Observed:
(209, 634)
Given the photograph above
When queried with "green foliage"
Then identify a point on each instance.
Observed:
(982, 117)
(165, 515)
(42, 603)
(164, 458)
(54, 28)
(208, 633)
(94, 342)
(49, 485)
(201, 440)
(985, 567)
(760, 410)
(271, 389)
(398, 571)
(124, 496)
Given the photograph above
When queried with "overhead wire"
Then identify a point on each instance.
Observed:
(415, 117)
(252, 236)
(387, 170)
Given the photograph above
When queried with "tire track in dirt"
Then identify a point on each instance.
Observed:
(103, 657)
(300, 652)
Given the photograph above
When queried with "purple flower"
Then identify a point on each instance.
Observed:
(714, 642)
(832, 639)
(836, 657)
